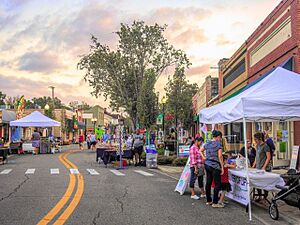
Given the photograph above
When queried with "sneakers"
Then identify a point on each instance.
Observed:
(202, 196)
(195, 197)
(218, 205)
(209, 203)
(222, 203)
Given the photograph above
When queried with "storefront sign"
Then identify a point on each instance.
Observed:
(184, 178)
(87, 115)
(295, 157)
(239, 191)
(184, 150)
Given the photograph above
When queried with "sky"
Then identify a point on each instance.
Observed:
(41, 41)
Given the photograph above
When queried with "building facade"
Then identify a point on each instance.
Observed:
(274, 43)
(208, 91)
(98, 114)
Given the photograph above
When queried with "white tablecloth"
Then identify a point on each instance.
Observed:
(266, 181)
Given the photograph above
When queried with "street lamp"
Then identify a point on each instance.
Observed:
(47, 107)
(94, 121)
(163, 102)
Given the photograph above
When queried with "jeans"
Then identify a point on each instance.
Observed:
(213, 174)
(194, 178)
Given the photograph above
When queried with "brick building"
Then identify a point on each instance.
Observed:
(208, 90)
(274, 43)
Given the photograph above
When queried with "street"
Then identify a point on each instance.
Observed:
(132, 196)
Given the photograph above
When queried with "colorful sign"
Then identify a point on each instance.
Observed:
(184, 150)
(159, 119)
(21, 107)
(294, 158)
(184, 178)
(285, 135)
(239, 191)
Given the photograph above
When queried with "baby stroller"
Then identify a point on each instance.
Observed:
(290, 193)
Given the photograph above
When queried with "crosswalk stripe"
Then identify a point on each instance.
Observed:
(116, 172)
(54, 171)
(30, 171)
(143, 173)
(92, 171)
(7, 171)
(74, 171)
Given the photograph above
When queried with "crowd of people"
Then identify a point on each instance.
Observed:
(209, 159)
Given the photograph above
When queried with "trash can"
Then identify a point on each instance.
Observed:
(151, 157)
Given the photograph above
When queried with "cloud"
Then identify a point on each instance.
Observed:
(222, 40)
(43, 61)
(198, 70)
(191, 36)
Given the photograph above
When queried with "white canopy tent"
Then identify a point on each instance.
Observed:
(35, 119)
(275, 97)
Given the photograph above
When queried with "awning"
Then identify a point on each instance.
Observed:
(8, 116)
(288, 64)
(35, 119)
(275, 97)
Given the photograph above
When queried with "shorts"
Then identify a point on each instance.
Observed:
(226, 187)
(36, 143)
(93, 143)
(138, 150)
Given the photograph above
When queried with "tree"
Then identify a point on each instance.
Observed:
(120, 74)
(2, 98)
(148, 101)
(42, 101)
(12, 102)
(179, 99)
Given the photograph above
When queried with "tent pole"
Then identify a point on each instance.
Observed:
(247, 169)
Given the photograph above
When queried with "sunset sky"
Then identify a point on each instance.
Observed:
(41, 40)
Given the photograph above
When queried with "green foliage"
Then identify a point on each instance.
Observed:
(165, 160)
(42, 101)
(179, 98)
(2, 98)
(127, 74)
(180, 161)
(147, 106)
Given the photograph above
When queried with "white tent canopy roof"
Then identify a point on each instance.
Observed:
(276, 97)
(35, 119)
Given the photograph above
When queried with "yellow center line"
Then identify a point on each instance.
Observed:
(63, 201)
(75, 201)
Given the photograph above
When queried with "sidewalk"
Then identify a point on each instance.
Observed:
(287, 214)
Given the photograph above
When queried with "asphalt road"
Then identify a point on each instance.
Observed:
(107, 199)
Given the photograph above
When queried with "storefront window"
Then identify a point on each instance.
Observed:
(234, 132)
(258, 127)
(268, 128)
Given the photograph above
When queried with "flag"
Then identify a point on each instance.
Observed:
(21, 107)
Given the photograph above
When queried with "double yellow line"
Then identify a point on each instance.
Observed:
(66, 197)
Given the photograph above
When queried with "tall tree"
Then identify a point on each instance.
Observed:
(2, 98)
(148, 101)
(120, 74)
(179, 99)
(12, 102)
(42, 101)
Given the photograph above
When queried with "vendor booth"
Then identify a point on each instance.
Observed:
(37, 120)
(275, 98)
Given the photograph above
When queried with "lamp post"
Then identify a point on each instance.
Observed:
(47, 107)
(94, 121)
(74, 117)
(163, 102)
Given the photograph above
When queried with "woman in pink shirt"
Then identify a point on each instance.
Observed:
(197, 168)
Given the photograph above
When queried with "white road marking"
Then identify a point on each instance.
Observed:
(144, 173)
(7, 171)
(30, 171)
(74, 171)
(92, 171)
(116, 172)
(54, 171)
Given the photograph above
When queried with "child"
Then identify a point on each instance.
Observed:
(225, 185)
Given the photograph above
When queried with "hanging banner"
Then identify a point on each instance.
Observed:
(239, 191)
(184, 178)
(21, 107)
